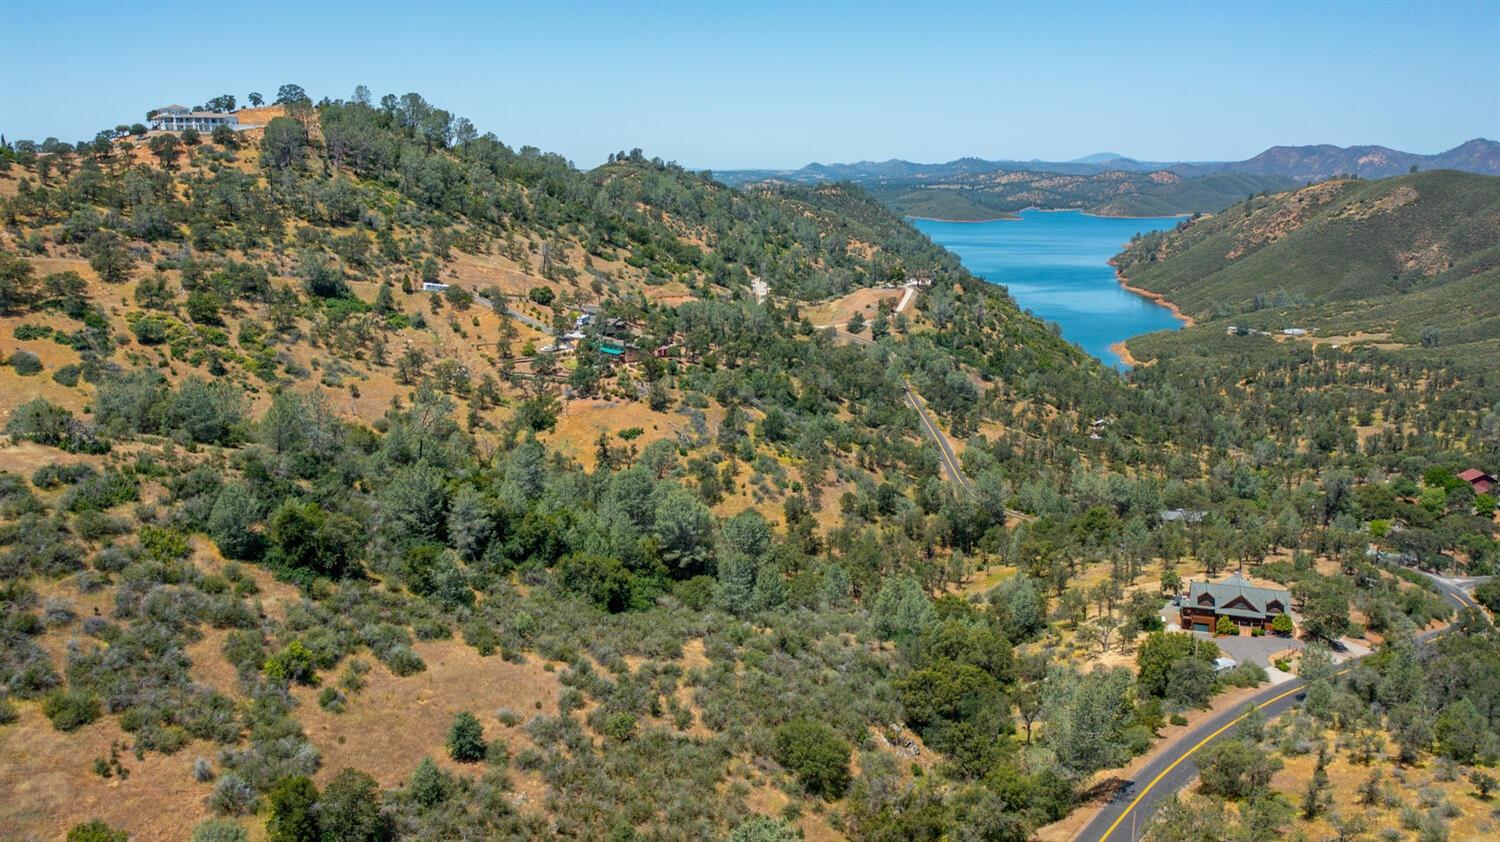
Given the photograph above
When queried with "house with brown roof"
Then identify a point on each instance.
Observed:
(1481, 482)
(1243, 603)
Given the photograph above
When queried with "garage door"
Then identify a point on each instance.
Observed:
(1201, 627)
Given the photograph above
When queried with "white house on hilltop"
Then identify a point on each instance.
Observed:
(176, 118)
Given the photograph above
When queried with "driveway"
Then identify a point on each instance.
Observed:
(1243, 648)
(1251, 650)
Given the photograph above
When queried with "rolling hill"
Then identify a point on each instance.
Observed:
(1410, 262)
(1114, 193)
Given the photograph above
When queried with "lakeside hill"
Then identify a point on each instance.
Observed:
(1116, 193)
(1410, 262)
(1002, 194)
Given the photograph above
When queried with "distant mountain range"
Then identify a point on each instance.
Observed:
(1113, 185)
(1301, 163)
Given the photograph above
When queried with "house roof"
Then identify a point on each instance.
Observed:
(1472, 474)
(1187, 515)
(183, 111)
(1235, 587)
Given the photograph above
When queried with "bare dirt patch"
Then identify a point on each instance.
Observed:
(866, 302)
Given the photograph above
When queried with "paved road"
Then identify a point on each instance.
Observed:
(1128, 815)
(945, 448)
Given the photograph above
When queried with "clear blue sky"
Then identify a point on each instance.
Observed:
(780, 85)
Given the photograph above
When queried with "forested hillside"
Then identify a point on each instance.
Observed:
(365, 477)
(965, 196)
(1406, 262)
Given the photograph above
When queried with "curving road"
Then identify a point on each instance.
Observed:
(1128, 815)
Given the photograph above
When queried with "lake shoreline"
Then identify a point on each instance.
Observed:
(1011, 218)
(1187, 321)
(1120, 350)
(1016, 217)
(1133, 216)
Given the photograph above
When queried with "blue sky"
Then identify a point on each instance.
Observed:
(779, 85)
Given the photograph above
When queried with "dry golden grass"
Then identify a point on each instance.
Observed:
(581, 422)
(394, 722)
(47, 782)
(865, 301)
(1475, 819)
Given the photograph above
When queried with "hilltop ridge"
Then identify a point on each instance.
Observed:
(1406, 261)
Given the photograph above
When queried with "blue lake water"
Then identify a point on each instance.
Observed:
(1055, 264)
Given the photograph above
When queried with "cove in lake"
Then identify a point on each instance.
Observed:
(1056, 264)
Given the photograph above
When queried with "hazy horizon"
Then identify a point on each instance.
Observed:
(778, 86)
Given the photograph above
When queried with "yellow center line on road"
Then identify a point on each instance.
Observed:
(1201, 743)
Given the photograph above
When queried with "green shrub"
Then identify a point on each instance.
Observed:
(58, 474)
(41, 421)
(466, 738)
(619, 726)
(349, 808)
(292, 802)
(293, 664)
(70, 710)
(232, 796)
(25, 363)
(1226, 628)
(150, 330)
(1282, 625)
(816, 755)
(100, 492)
(96, 831)
(219, 830)
(68, 374)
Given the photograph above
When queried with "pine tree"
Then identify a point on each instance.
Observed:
(736, 593)
(835, 592)
(770, 587)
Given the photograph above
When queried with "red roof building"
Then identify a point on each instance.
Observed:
(1481, 482)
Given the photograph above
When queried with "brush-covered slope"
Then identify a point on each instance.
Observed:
(1413, 260)
(1192, 195)
(998, 194)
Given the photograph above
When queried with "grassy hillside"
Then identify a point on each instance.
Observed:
(278, 527)
(1406, 262)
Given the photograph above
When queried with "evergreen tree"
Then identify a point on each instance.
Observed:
(293, 818)
(466, 738)
(231, 522)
